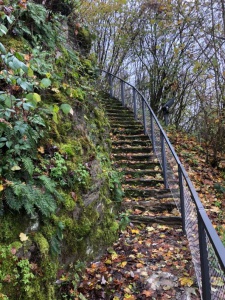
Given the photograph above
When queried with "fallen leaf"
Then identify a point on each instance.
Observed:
(41, 150)
(135, 230)
(15, 168)
(23, 237)
(148, 293)
(186, 281)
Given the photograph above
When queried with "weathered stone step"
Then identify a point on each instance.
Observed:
(120, 112)
(132, 137)
(131, 127)
(151, 192)
(124, 122)
(173, 220)
(150, 205)
(127, 131)
(141, 182)
(135, 165)
(141, 173)
(129, 143)
(131, 149)
(134, 156)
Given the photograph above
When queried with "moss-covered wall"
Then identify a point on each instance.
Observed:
(41, 255)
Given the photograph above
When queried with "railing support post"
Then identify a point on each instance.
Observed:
(164, 162)
(206, 285)
(110, 86)
(182, 207)
(152, 133)
(144, 116)
(122, 93)
(135, 103)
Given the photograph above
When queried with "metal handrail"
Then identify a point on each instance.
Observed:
(208, 238)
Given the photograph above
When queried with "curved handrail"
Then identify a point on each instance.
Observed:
(205, 227)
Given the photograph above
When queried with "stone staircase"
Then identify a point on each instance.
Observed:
(145, 198)
(150, 258)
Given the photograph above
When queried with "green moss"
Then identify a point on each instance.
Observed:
(17, 245)
(69, 202)
(73, 148)
(42, 243)
(10, 227)
(16, 43)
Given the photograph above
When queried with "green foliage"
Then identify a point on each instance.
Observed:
(13, 268)
(59, 169)
(115, 185)
(220, 189)
(26, 274)
(81, 175)
(124, 221)
(56, 239)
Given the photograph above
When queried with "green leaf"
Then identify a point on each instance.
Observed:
(9, 144)
(45, 82)
(19, 56)
(34, 98)
(66, 108)
(25, 85)
(55, 108)
(2, 48)
(55, 117)
(3, 30)
(30, 72)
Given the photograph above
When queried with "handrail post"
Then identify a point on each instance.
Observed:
(182, 206)
(122, 92)
(110, 85)
(206, 285)
(135, 103)
(164, 162)
(144, 116)
(152, 133)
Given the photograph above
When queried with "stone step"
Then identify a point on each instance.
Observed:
(131, 149)
(124, 122)
(172, 220)
(150, 192)
(150, 205)
(135, 165)
(131, 137)
(129, 143)
(131, 127)
(141, 182)
(127, 131)
(134, 157)
(142, 173)
(119, 112)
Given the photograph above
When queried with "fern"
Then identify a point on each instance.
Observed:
(28, 165)
(12, 201)
(48, 183)
(31, 197)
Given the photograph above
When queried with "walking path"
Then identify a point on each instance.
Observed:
(151, 259)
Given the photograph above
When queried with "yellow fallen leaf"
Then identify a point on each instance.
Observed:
(150, 228)
(186, 281)
(23, 237)
(114, 255)
(135, 230)
(1, 187)
(129, 297)
(123, 264)
(108, 262)
(116, 298)
(41, 150)
(15, 168)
